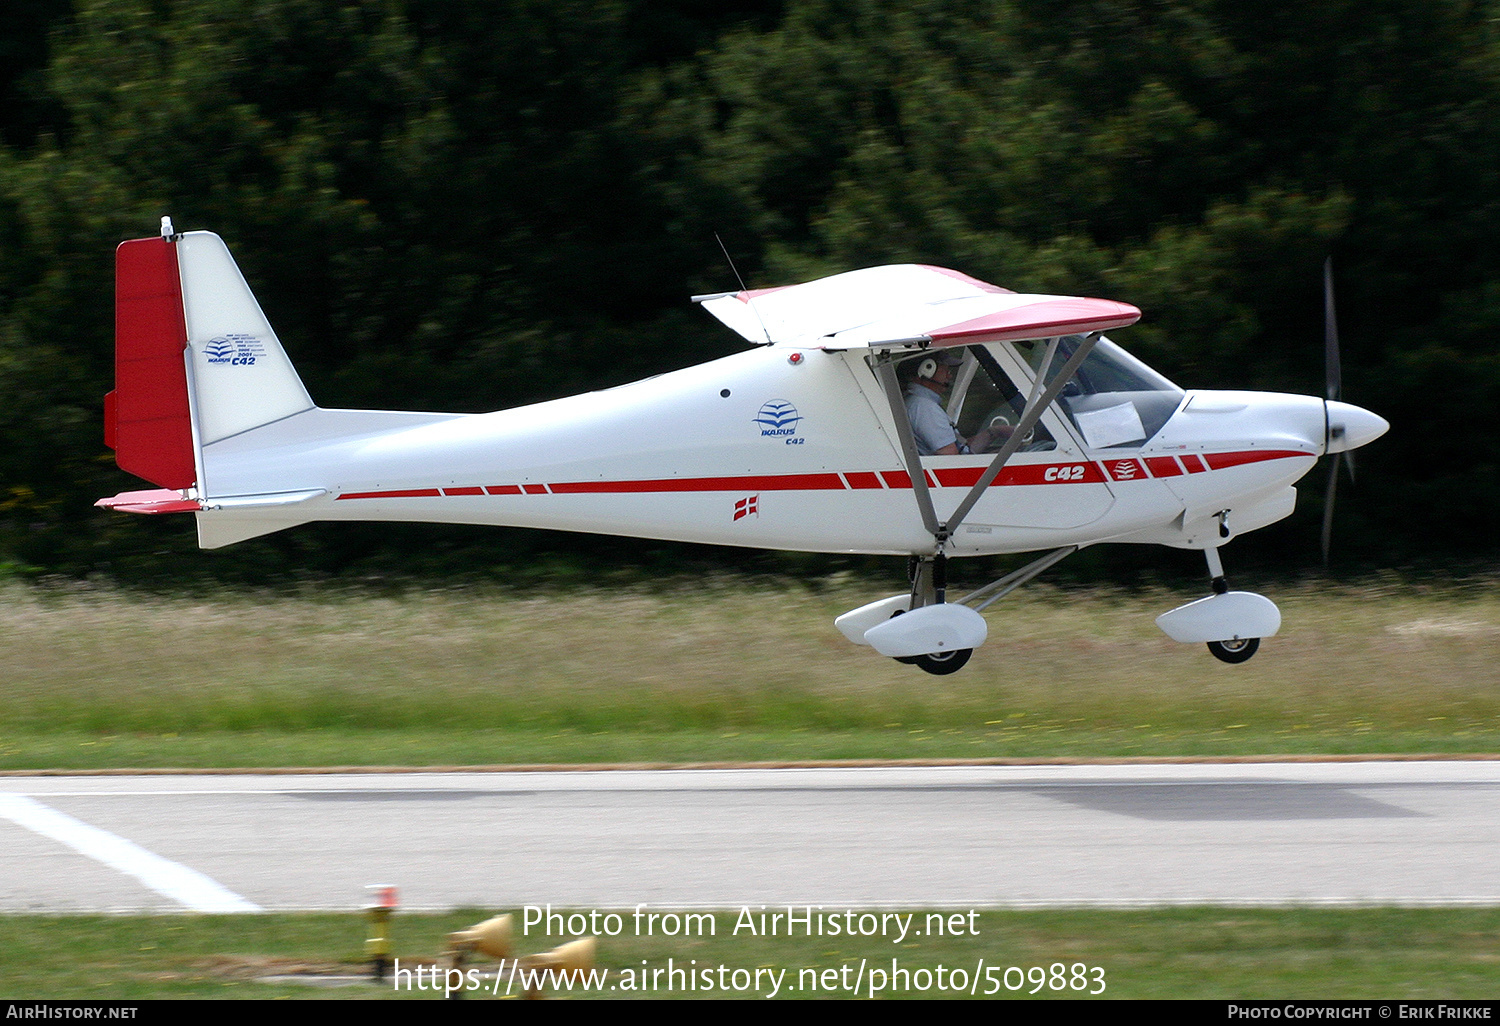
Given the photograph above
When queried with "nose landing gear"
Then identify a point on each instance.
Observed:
(1230, 623)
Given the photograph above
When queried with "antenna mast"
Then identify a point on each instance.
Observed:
(748, 300)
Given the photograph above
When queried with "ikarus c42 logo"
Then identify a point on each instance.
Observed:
(778, 419)
(234, 350)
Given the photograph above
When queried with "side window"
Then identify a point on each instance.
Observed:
(962, 397)
(992, 401)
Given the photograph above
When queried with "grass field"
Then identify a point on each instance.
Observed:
(1167, 953)
(721, 671)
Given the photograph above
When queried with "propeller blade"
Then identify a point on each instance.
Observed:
(1333, 373)
(1333, 388)
(1328, 495)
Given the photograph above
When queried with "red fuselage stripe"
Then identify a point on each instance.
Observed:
(1086, 472)
(405, 493)
(1220, 460)
(772, 483)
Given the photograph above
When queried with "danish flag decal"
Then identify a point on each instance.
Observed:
(749, 507)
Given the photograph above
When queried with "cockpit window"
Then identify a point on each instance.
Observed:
(1114, 400)
(978, 398)
(989, 400)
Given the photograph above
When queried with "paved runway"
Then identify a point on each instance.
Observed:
(1310, 833)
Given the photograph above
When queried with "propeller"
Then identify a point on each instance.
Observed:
(1332, 393)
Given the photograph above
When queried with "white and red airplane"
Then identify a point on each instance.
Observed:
(802, 442)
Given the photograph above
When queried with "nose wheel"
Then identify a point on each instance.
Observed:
(1231, 623)
(1236, 650)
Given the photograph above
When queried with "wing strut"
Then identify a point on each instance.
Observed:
(1035, 405)
(887, 374)
(997, 590)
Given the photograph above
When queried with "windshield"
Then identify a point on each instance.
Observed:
(1114, 400)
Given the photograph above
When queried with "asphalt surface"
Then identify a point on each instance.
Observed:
(1421, 833)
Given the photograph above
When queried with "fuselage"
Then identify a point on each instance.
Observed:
(775, 447)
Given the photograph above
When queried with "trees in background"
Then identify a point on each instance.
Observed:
(457, 206)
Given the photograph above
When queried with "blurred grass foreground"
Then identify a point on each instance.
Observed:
(720, 670)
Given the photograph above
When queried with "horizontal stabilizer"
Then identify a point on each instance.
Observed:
(227, 519)
(267, 501)
(151, 500)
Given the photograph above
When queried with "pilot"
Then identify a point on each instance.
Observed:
(934, 433)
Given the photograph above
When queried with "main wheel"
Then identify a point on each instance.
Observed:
(908, 660)
(1236, 651)
(942, 663)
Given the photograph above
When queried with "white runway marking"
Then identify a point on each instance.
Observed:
(187, 886)
(1140, 835)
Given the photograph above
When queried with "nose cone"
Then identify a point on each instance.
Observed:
(1349, 427)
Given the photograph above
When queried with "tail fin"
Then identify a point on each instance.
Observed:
(241, 377)
(195, 359)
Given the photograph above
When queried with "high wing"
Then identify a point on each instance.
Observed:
(906, 305)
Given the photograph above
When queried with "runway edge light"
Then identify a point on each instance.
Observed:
(378, 945)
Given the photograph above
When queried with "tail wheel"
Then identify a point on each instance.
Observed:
(942, 663)
(1236, 651)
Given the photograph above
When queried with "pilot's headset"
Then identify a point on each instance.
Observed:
(930, 364)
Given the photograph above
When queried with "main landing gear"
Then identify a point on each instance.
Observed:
(929, 590)
(923, 629)
(941, 663)
(1236, 651)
